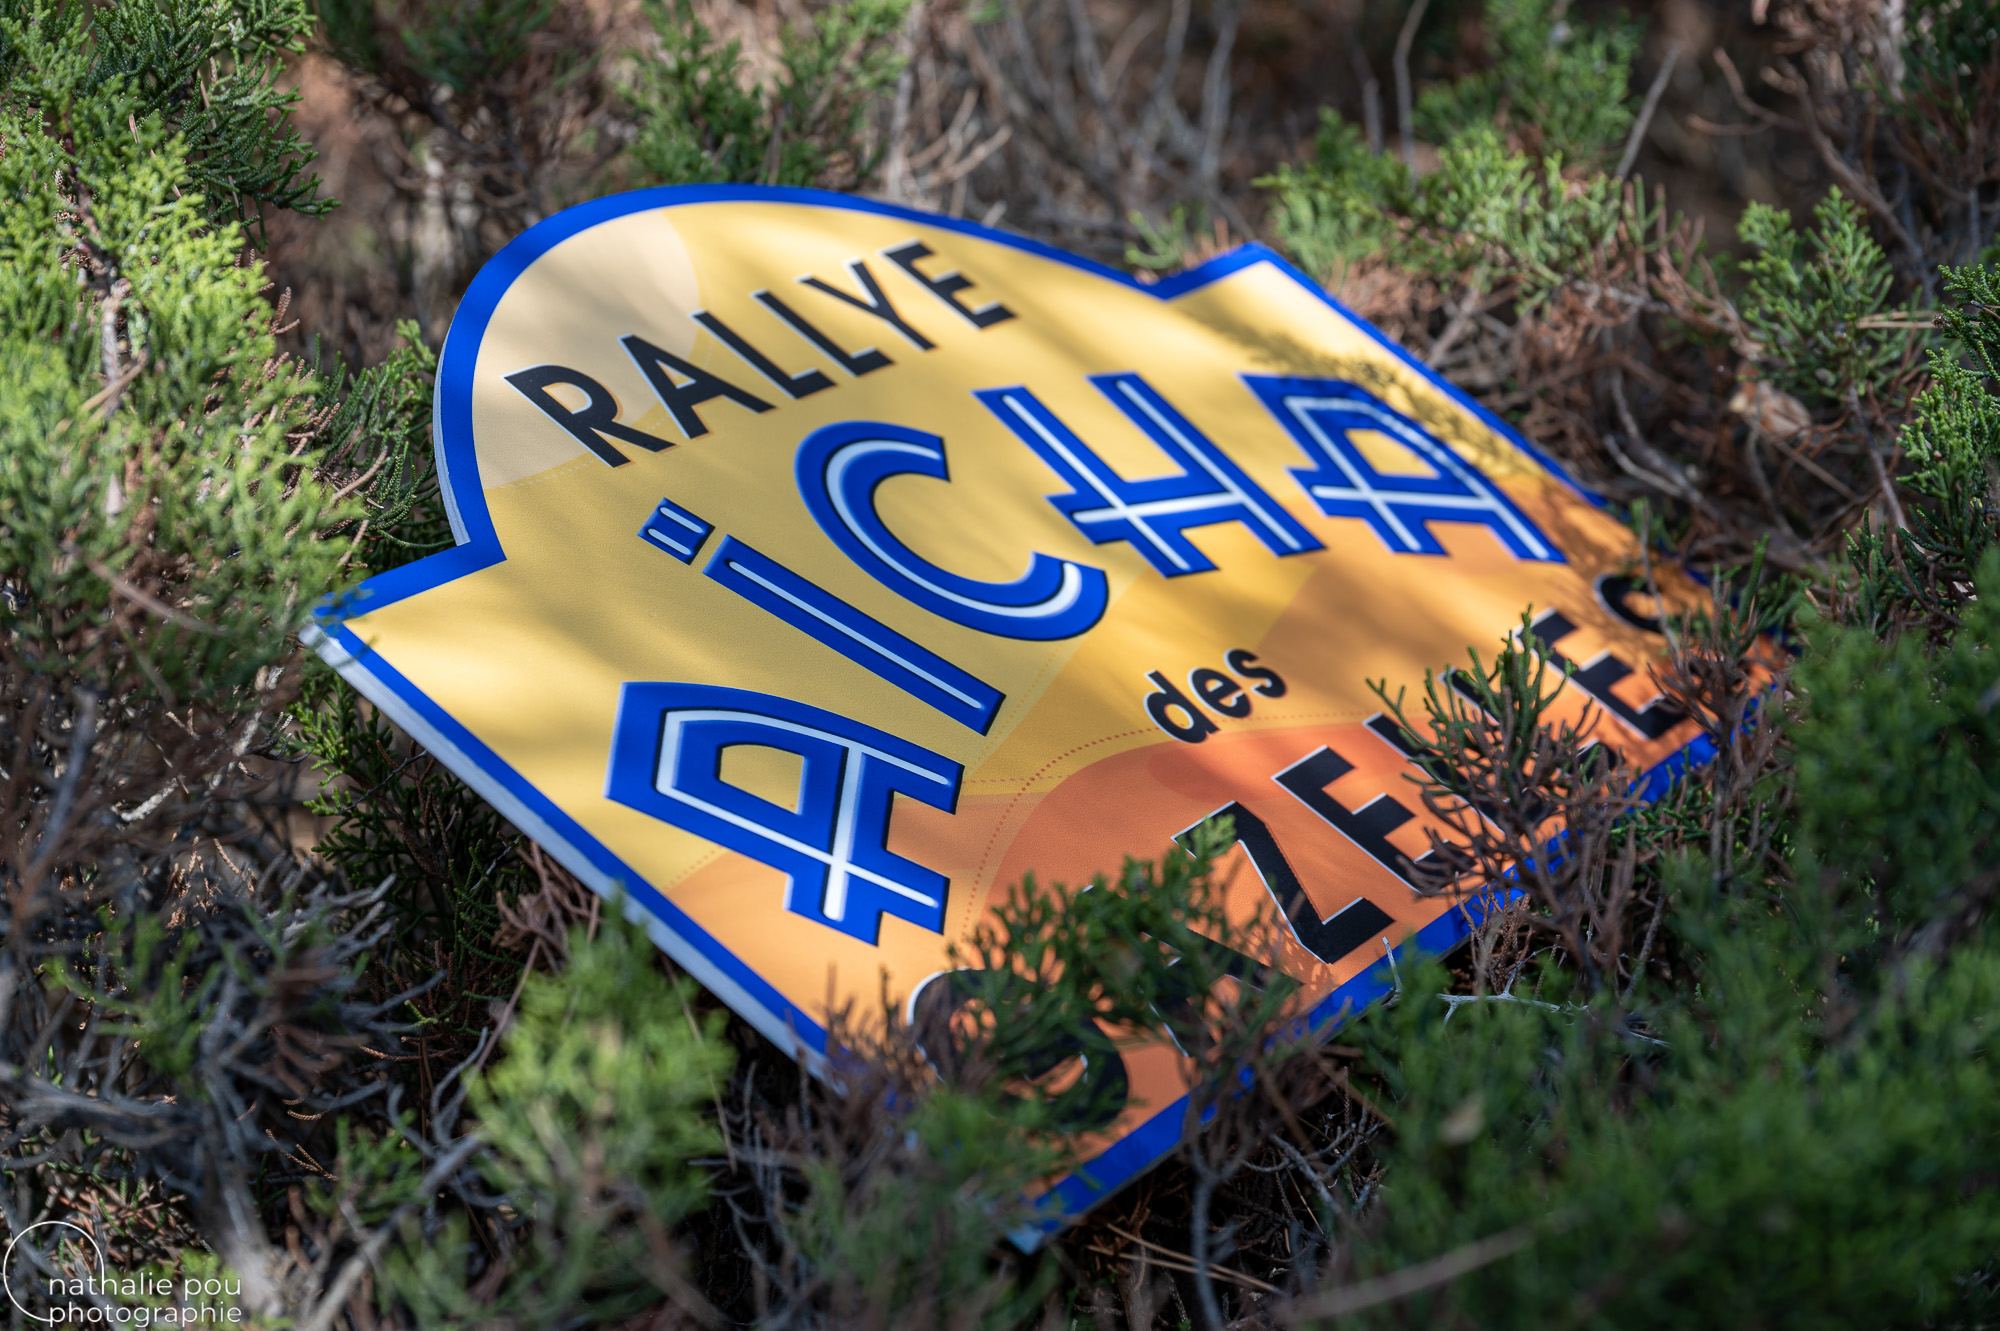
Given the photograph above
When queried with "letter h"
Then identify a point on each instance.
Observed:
(1153, 514)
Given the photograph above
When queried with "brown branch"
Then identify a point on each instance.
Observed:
(1662, 480)
(139, 598)
(1645, 120)
(1857, 185)
(1215, 96)
(108, 396)
(1410, 1280)
(1875, 456)
(108, 350)
(1168, 1257)
(1703, 125)
(329, 1307)
(1833, 481)
(1748, 104)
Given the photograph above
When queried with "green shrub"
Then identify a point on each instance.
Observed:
(1728, 1061)
(593, 1117)
(1808, 300)
(1563, 82)
(703, 120)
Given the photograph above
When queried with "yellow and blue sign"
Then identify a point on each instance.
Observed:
(825, 566)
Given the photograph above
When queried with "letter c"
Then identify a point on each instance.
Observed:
(839, 467)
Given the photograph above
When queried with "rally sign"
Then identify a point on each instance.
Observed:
(824, 567)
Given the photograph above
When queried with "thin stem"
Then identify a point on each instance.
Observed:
(1645, 120)
(1405, 113)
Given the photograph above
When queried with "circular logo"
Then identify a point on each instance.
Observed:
(7, 1261)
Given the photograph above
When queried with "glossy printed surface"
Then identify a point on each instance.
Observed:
(826, 566)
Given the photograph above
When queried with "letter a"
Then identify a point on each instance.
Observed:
(666, 760)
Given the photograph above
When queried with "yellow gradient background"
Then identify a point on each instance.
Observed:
(530, 654)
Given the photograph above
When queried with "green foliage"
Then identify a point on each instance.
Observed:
(1786, 1131)
(374, 1172)
(1162, 248)
(466, 42)
(394, 812)
(1953, 437)
(1950, 43)
(151, 989)
(164, 986)
(913, 1185)
(1057, 975)
(594, 1116)
(461, 45)
(1808, 297)
(1787, 1118)
(1972, 316)
(1957, 33)
(1565, 81)
(380, 427)
(1338, 204)
(204, 72)
(1746, 1170)
(589, 1048)
(146, 431)
(705, 120)
(1502, 213)
(1915, 841)
(1486, 210)
(921, 1231)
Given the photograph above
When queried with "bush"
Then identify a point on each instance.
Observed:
(283, 1002)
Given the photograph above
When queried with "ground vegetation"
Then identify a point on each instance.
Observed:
(283, 1004)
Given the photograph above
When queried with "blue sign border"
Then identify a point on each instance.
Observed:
(692, 947)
